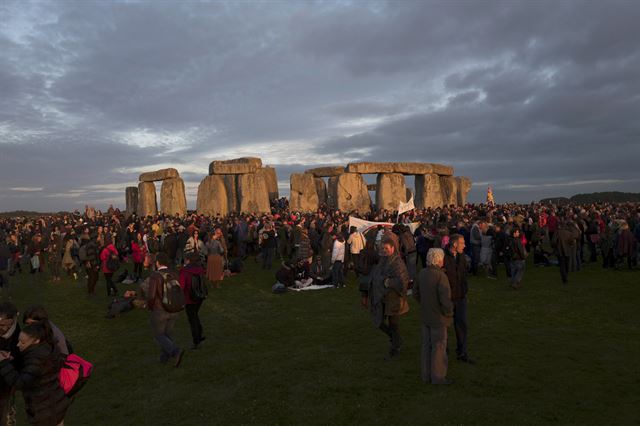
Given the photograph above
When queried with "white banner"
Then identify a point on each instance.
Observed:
(405, 207)
(363, 225)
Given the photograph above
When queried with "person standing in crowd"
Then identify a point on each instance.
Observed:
(108, 259)
(408, 251)
(564, 242)
(9, 332)
(5, 265)
(138, 253)
(337, 262)
(241, 234)
(215, 257)
(356, 243)
(193, 270)
(162, 321)
(68, 263)
(626, 246)
(267, 245)
(54, 260)
(36, 375)
(434, 295)
(89, 258)
(455, 267)
(518, 257)
(387, 294)
(195, 245)
(476, 246)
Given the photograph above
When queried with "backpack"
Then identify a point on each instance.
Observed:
(172, 294)
(199, 290)
(113, 263)
(74, 374)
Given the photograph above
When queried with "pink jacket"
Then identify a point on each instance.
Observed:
(104, 256)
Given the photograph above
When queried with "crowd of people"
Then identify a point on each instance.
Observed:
(429, 252)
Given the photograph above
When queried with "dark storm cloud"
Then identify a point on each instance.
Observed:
(535, 98)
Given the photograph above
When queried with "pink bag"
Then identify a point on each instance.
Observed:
(75, 372)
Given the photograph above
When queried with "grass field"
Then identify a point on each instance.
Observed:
(545, 354)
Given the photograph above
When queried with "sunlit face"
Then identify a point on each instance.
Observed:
(459, 246)
(388, 249)
(6, 324)
(25, 341)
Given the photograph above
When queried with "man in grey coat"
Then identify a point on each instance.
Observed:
(434, 295)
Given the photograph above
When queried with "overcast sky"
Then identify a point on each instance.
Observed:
(535, 98)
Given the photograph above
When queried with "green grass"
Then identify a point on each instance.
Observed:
(545, 354)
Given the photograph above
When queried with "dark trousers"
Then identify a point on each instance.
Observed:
(423, 259)
(475, 257)
(111, 287)
(267, 257)
(563, 262)
(337, 277)
(608, 260)
(92, 273)
(392, 329)
(460, 325)
(161, 325)
(194, 321)
(137, 270)
(593, 251)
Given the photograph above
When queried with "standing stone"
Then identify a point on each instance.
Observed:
(173, 200)
(449, 188)
(428, 191)
(131, 195)
(147, 205)
(409, 194)
(321, 190)
(349, 192)
(271, 179)
(236, 166)
(212, 196)
(304, 195)
(464, 186)
(332, 192)
(391, 190)
(253, 195)
(159, 175)
(231, 187)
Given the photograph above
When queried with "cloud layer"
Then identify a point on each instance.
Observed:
(534, 98)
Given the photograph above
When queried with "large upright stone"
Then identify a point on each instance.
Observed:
(271, 179)
(349, 192)
(321, 190)
(212, 197)
(236, 166)
(428, 191)
(253, 195)
(147, 204)
(391, 190)
(231, 186)
(304, 195)
(321, 172)
(449, 190)
(159, 175)
(131, 195)
(464, 186)
(332, 192)
(403, 168)
(173, 200)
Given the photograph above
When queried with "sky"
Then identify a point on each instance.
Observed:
(535, 98)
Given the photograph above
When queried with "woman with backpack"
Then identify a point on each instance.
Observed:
(109, 259)
(193, 283)
(37, 377)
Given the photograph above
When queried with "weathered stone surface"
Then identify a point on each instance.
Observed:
(212, 196)
(409, 194)
(173, 200)
(159, 175)
(464, 186)
(131, 195)
(428, 191)
(236, 166)
(253, 195)
(321, 190)
(304, 196)
(320, 172)
(147, 204)
(391, 191)
(231, 186)
(271, 179)
(349, 192)
(449, 190)
(403, 168)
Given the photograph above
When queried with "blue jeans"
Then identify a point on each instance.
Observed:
(460, 325)
(162, 323)
(517, 271)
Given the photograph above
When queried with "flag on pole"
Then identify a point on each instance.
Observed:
(405, 207)
(490, 196)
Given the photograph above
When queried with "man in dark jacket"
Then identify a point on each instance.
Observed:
(564, 242)
(387, 295)
(455, 267)
(518, 256)
(434, 295)
(193, 268)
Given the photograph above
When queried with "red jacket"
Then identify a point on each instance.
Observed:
(185, 280)
(137, 252)
(104, 256)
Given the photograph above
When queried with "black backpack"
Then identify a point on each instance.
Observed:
(113, 263)
(199, 290)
